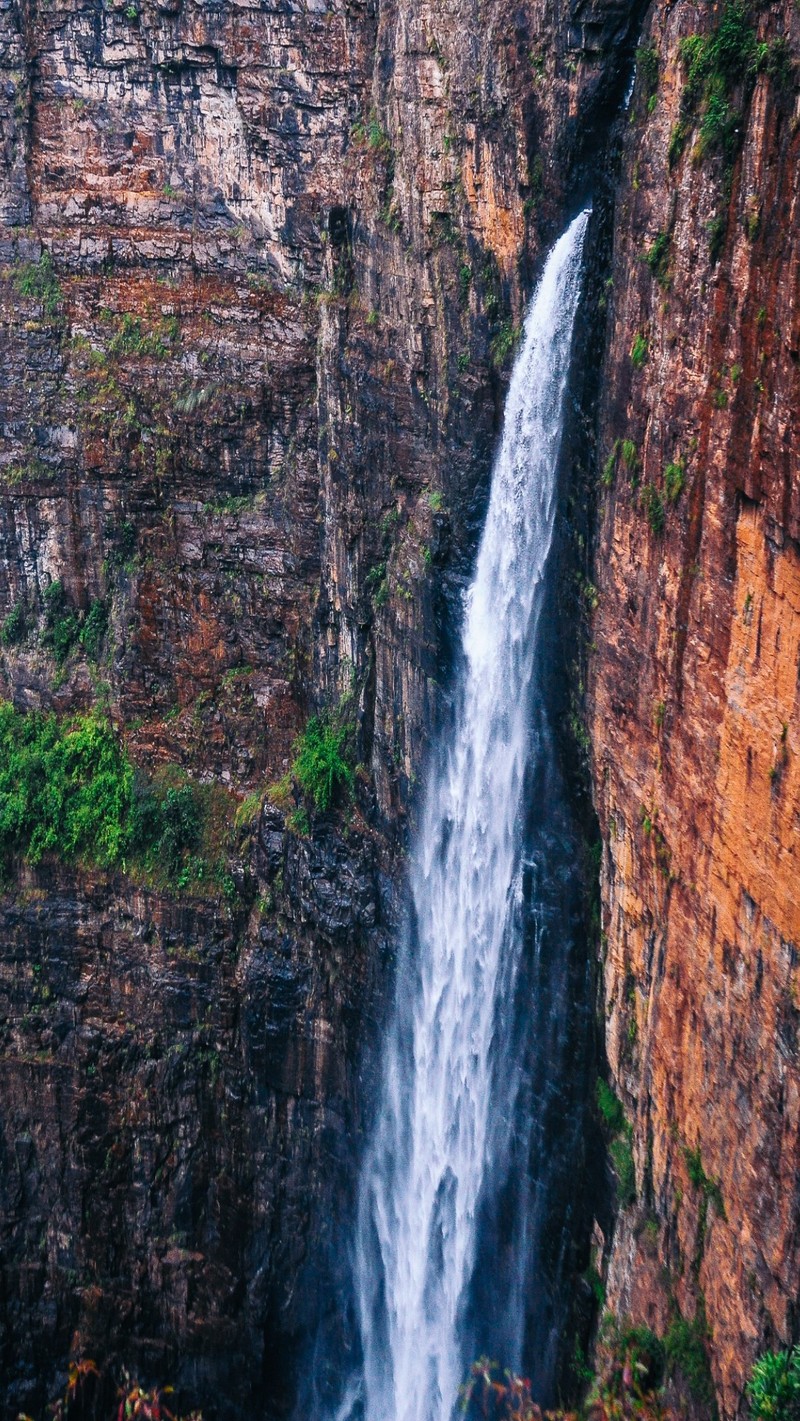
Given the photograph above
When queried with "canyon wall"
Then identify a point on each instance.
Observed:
(262, 268)
(694, 710)
(261, 272)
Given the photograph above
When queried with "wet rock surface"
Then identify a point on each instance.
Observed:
(181, 1091)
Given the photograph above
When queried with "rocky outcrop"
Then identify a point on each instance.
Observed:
(694, 707)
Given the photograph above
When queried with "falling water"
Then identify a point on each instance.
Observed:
(450, 1072)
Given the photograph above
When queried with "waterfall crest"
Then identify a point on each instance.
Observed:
(449, 1076)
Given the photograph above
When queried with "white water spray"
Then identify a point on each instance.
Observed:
(433, 1151)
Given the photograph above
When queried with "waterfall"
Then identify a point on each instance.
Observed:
(450, 1079)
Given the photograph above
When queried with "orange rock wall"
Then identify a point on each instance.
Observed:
(695, 712)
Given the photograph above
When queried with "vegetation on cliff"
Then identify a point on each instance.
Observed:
(628, 1383)
(720, 72)
(37, 281)
(65, 788)
(618, 1132)
(323, 768)
(634, 1373)
(774, 1387)
(89, 1394)
(60, 626)
(633, 1365)
(322, 764)
(69, 788)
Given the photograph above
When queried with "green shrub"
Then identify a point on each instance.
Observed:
(165, 828)
(717, 229)
(322, 765)
(622, 1159)
(298, 823)
(774, 1387)
(734, 43)
(376, 584)
(65, 788)
(123, 536)
(719, 66)
(130, 338)
(503, 343)
(696, 56)
(657, 258)
(647, 67)
(694, 1167)
(94, 628)
(630, 455)
(722, 125)
(377, 140)
(15, 625)
(598, 1287)
(630, 1360)
(685, 1349)
(249, 809)
(61, 625)
(729, 52)
(619, 1133)
(609, 1106)
(144, 822)
(68, 787)
(653, 505)
(677, 141)
(609, 469)
(180, 826)
(710, 1188)
(674, 480)
(776, 59)
(639, 350)
(646, 1352)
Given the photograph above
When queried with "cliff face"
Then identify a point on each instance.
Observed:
(260, 273)
(175, 1076)
(282, 245)
(695, 720)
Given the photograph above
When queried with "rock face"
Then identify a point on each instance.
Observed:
(180, 1088)
(261, 269)
(694, 702)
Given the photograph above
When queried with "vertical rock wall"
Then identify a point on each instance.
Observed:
(261, 269)
(695, 718)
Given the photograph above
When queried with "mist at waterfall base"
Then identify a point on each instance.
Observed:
(464, 1232)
